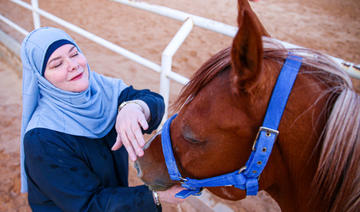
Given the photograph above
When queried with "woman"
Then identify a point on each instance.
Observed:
(74, 124)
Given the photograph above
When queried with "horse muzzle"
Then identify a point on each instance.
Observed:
(151, 168)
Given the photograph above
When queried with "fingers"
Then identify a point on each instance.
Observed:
(169, 195)
(117, 144)
(135, 142)
(132, 139)
(128, 146)
(129, 122)
(138, 136)
(143, 123)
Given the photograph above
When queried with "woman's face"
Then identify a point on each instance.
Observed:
(67, 69)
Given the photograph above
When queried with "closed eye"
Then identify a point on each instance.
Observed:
(190, 136)
(74, 54)
(73, 51)
(57, 65)
(192, 140)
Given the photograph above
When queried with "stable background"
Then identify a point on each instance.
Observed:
(329, 26)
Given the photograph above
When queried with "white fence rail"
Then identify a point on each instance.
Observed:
(165, 69)
(13, 25)
(352, 69)
(182, 16)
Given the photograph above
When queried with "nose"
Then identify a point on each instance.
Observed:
(72, 64)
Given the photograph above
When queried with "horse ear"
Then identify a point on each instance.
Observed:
(247, 51)
(244, 4)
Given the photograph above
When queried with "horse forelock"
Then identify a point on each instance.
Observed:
(337, 178)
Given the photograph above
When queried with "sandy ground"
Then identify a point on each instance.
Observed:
(330, 26)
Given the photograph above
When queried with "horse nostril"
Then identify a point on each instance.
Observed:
(138, 169)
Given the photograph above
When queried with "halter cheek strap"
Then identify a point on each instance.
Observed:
(247, 177)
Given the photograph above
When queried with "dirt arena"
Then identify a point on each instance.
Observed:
(329, 26)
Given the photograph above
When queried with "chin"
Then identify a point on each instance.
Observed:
(80, 87)
(83, 88)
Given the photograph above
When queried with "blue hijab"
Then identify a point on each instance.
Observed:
(91, 113)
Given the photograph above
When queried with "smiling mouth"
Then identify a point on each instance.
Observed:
(77, 76)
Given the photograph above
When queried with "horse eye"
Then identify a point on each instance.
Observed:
(192, 140)
(189, 135)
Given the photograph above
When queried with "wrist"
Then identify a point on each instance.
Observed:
(123, 104)
(156, 198)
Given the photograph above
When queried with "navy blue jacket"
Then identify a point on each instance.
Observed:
(75, 173)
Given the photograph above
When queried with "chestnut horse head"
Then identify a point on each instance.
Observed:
(314, 163)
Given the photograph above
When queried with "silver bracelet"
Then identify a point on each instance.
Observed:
(156, 198)
(122, 105)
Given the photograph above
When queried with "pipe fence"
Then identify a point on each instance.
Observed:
(165, 69)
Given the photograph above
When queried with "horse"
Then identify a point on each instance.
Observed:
(314, 162)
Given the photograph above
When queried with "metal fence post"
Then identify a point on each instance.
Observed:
(166, 61)
(36, 16)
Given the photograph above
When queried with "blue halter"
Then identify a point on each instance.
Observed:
(247, 177)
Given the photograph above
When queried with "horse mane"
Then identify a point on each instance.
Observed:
(216, 64)
(337, 179)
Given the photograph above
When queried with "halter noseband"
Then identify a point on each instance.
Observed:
(247, 177)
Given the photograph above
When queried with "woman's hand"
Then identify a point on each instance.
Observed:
(168, 196)
(129, 121)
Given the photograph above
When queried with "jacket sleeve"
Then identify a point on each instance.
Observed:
(60, 176)
(154, 101)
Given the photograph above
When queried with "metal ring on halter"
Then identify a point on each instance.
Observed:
(242, 169)
(183, 180)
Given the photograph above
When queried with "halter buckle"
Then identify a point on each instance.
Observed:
(268, 132)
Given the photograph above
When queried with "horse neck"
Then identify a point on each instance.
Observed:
(293, 163)
(318, 174)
